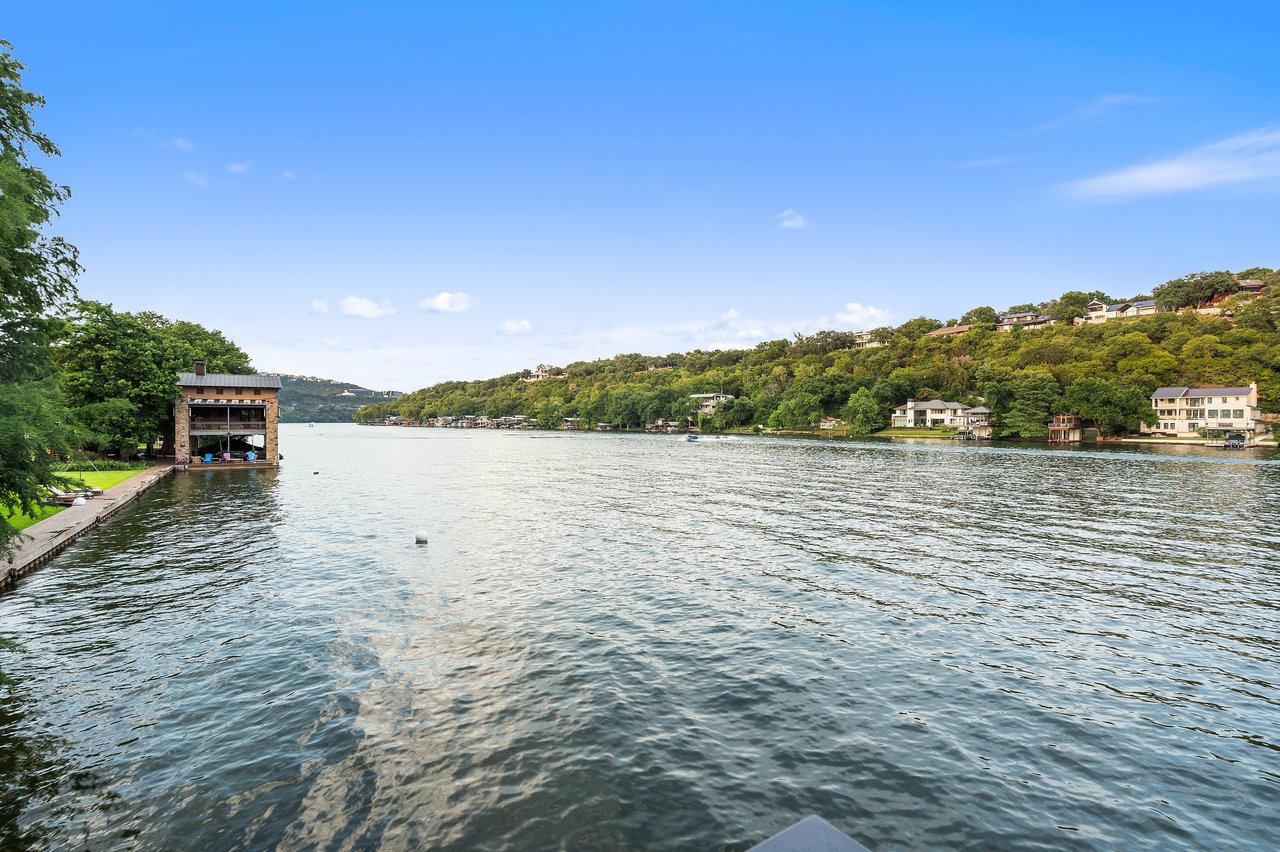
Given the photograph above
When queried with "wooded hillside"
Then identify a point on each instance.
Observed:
(1103, 372)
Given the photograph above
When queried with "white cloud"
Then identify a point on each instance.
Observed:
(177, 143)
(447, 303)
(791, 219)
(862, 316)
(1246, 158)
(197, 178)
(319, 306)
(288, 174)
(515, 326)
(237, 168)
(356, 306)
(1096, 110)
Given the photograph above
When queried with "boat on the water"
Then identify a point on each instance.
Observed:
(691, 437)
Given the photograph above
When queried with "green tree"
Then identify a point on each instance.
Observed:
(863, 414)
(1110, 406)
(121, 359)
(796, 412)
(1035, 395)
(37, 274)
(984, 315)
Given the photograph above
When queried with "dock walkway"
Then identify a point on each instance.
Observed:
(42, 541)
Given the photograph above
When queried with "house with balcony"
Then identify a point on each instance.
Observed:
(930, 414)
(1065, 429)
(863, 340)
(707, 402)
(1096, 312)
(1182, 412)
(227, 419)
(1029, 320)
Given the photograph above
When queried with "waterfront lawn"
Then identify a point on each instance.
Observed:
(910, 432)
(89, 479)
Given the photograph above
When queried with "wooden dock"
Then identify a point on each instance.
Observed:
(41, 541)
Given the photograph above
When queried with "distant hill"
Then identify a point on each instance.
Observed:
(308, 399)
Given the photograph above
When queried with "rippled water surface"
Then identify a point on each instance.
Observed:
(631, 642)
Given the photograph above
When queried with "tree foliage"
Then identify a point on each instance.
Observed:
(37, 273)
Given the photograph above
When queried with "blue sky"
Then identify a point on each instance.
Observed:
(399, 194)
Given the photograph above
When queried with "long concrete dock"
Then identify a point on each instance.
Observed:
(45, 539)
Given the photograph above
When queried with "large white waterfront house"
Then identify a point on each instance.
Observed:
(929, 413)
(1185, 411)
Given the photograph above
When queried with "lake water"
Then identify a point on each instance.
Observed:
(633, 642)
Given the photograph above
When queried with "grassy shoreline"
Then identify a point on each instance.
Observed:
(90, 479)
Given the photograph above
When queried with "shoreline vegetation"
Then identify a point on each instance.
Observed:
(1217, 329)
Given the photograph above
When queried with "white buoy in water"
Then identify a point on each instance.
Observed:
(420, 537)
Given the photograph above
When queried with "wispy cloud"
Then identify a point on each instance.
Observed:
(1247, 158)
(237, 168)
(862, 316)
(288, 174)
(447, 303)
(357, 306)
(319, 306)
(791, 219)
(515, 326)
(1096, 110)
(177, 143)
(197, 178)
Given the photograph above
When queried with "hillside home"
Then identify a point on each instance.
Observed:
(1096, 312)
(1029, 320)
(949, 329)
(1183, 411)
(862, 340)
(707, 402)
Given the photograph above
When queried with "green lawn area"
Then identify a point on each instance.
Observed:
(908, 432)
(93, 479)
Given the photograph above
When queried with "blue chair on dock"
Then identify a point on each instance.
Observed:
(208, 458)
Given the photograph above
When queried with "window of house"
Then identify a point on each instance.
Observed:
(1239, 414)
(1224, 399)
(1213, 412)
(217, 391)
(257, 391)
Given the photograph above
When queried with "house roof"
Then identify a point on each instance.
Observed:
(1142, 303)
(228, 380)
(1179, 393)
(981, 409)
(950, 329)
(934, 403)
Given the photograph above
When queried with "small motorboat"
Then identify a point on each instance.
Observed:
(691, 437)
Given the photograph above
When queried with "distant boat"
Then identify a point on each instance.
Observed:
(691, 437)
(311, 425)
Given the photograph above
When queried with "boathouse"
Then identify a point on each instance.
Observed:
(1065, 429)
(227, 419)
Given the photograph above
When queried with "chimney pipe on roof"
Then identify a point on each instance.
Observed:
(199, 368)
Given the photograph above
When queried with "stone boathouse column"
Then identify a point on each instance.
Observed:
(182, 427)
(271, 449)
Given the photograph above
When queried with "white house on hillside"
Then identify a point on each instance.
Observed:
(707, 402)
(1184, 411)
(1096, 312)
